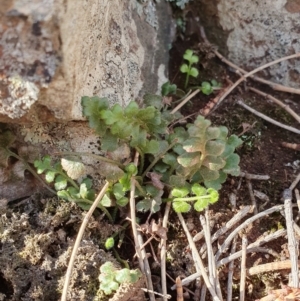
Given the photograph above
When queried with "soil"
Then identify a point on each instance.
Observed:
(37, 234)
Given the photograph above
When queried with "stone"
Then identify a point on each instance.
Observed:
(54, 52)
(251, 34)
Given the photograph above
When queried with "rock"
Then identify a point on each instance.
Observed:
(54, 52)
(251, 34)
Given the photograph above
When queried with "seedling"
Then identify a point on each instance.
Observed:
(201, 196)
(208, 87)
(110, 277)
(188, 68)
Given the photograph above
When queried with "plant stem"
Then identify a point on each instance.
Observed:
(158, 158)
(33, 172)
(101, 158)
(122, 261)
(191, 199)
(70, 180)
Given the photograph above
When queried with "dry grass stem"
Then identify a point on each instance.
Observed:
(230, 272)
(235, 219)
(138, 239)
(180, 105)
(253, 177)
(163, 252)
(229, 238)
(295, 182)
(271, 267)
(279, 124)
(243, 268)
(78, 240)
(252, 197)
(292, 243)
(268, 238)
(274, 86)
(227, 92)
(198, 261)
(278, 102)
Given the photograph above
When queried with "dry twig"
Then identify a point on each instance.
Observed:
(263, 116)
(292, 243)
(138, 239)
(163, 251)
(275, 86)
(78, 240)
(229, 238)
(278, 102)
(243, 268)
(230, 272)
(198, 261)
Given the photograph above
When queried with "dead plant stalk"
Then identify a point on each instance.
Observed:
(78, 240)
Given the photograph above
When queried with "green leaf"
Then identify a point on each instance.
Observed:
(109, 243)
(206, 88)
(180, 192)
(123, 276)
(139, 138)
(106, 201)
(188, 159)
(216, 184)
(207, 174)
(232, 165)
(132, 109)
(60, 183)
(88, 182)
(125, 182)
(214, 148)
(177, 181)
(181, 207)
(50, 175)
(111, 171)
(184, 68)
(108, 268)
(168, 88)
(153, 100)
(131, 169)
(188, 55)
(214, 133)
(198, 190)
(152, 147)
(74, 192)
(118, 191)
(215, 83)
(194, 72)
(201, 205)
(135, 275)
(214, 195)
(149, 204)
(42, 165)
(122, 202)
(109, 287)
(147, 114)
(92, 106)
(83, 191)
(170, 159)
(74, 169)
(161, 167)
(109, 141)
(214, 162)
(64, 194)
(235, 141)
(112, 116)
